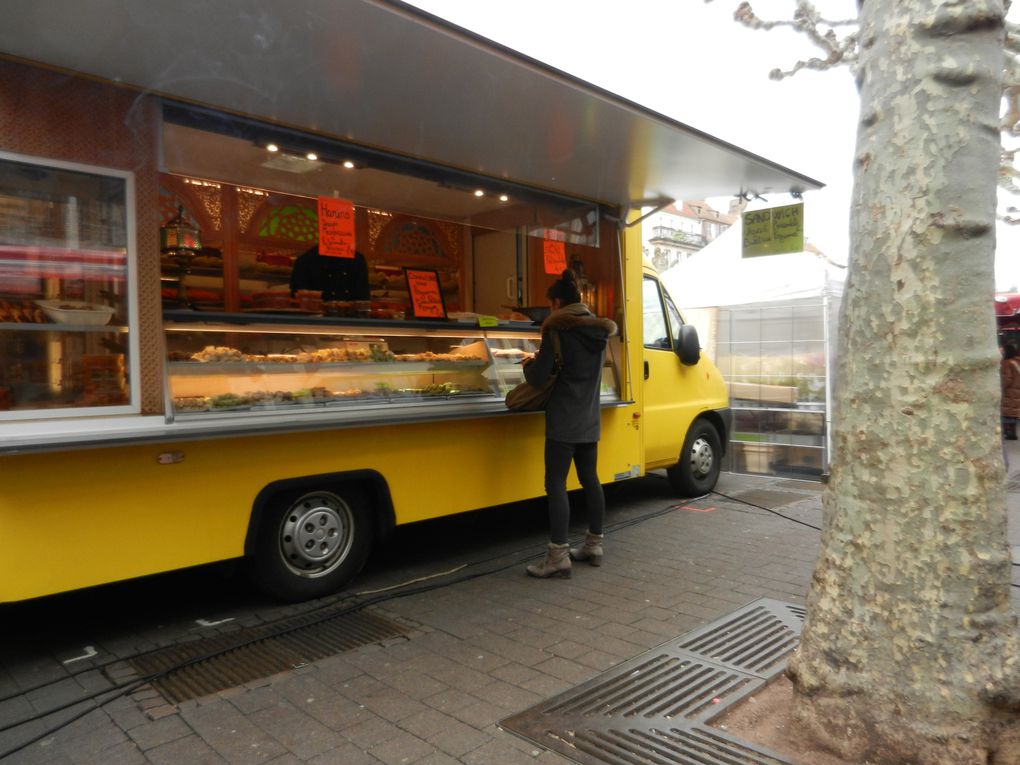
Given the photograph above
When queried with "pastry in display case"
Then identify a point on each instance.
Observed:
(509, 352)
(242, 367)
(265, 367)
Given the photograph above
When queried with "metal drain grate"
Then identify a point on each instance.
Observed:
(695, 746)
(654, 708)
(250, 654)
(757, 638)
(665, 687)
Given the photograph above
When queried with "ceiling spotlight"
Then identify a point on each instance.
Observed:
(272, 147)
(479, 193)
(348, 164)
(503, 198)
(311, 156)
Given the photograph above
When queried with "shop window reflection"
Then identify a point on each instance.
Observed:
(64, 289)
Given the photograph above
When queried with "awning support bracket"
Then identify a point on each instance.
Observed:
(659, 205)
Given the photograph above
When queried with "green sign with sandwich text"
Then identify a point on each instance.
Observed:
(775, 231)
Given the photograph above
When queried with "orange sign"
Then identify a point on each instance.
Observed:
(555, 254)
(336, 228)
(426, 297)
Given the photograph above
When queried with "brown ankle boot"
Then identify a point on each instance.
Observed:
(590, 551)
(556, 563)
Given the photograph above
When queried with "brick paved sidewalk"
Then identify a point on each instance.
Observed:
(479, 650)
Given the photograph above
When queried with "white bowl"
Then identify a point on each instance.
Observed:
(76, 312)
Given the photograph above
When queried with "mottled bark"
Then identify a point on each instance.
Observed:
(909, 652)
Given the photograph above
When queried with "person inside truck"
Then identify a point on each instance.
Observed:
(336, 278)
(573, 421)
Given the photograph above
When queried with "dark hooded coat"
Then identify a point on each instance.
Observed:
(572, 414)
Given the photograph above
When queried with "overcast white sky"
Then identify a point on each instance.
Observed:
(689, 60)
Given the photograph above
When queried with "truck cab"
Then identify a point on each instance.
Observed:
(682, 392)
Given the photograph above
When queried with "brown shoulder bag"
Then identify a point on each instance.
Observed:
(526, 397)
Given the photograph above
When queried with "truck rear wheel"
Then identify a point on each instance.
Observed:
(698, 469)
(311, 544)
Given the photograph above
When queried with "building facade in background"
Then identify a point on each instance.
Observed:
(674, 233)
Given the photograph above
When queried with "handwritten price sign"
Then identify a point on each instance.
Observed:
(336, 228)
(555, 256)
(774, 231)
(426, 297)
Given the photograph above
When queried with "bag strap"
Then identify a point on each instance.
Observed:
(557, 349)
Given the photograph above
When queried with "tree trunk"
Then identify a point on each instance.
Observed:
(909, 650)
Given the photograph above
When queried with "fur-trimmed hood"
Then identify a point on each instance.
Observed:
(577, 317)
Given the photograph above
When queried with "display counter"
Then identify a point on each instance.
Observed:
(248, 365)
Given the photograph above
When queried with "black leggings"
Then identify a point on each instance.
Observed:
(558, 456)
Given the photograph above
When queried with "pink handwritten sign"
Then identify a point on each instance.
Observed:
(555, 255)
(336, 228)
(426, 296)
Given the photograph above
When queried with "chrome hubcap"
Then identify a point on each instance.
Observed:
(316, 534)
(702, 458)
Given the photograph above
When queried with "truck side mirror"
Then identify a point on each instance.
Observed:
(688, 348)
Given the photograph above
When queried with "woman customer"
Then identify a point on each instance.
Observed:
(1009, 374)
(572, 419)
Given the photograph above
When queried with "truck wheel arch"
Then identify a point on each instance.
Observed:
(720, 426)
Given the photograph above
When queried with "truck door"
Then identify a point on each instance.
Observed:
(669, 386)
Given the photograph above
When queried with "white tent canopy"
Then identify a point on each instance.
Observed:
(717, 275)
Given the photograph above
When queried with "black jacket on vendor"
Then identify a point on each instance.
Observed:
(336, 278)
(572, 414)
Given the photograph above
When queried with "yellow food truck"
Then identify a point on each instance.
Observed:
(265, 278)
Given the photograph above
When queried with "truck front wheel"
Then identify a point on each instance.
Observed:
(698, 469)
(313, 543)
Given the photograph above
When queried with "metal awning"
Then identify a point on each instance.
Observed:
(386, 75)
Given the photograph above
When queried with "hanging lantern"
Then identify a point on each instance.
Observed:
(177, 235)
(182, 242)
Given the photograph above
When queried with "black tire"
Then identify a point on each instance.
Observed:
(700, 459)
(312, 543)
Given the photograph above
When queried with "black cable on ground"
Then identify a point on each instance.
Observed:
(803, 523)
(766, 509)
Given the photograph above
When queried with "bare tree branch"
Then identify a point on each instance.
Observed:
(838, 41)
(819, 30)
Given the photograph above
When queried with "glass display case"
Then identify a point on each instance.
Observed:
(65, 291)
(263, 366)
(239, 365)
